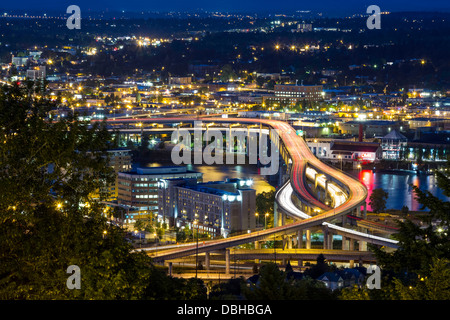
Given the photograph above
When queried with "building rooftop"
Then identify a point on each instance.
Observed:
(160, 170)
(354, 146)
(371, 122)
(394, 135)
(330, 276)
(210, 190)
(230, 187)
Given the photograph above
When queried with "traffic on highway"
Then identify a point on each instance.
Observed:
(303, 160)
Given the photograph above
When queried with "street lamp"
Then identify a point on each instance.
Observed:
(196, 251)
(340, 158)
(140, 242)
(274, 250)
(265, 220)
(234, 262)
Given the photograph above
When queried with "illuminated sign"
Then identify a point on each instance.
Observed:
(367, 156)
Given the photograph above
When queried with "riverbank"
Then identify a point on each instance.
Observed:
(405, 167)
(397, 182)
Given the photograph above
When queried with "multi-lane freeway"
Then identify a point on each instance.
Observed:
(302, 160)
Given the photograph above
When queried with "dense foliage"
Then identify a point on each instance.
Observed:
(420, 267)
(53, 175)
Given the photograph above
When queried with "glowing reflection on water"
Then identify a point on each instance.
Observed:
(399, 187)
(221, 173)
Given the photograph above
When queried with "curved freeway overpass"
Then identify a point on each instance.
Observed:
(301, 157)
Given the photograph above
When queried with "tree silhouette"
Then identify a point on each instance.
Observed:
(52, 177)
(319, 268)
(377, 200)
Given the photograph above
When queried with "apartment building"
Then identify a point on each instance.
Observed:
(215, 208)
(295, 93)
(37, 73)
(138, 189)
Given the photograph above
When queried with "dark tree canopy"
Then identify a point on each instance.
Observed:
(378, 200)
(419, 268)
(53, 174)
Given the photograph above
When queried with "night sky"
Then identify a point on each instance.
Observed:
(326, 6)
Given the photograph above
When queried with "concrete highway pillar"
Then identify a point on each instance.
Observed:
(330, 241)
(207, 260)
(365, 211)
(300, 239)
(250, 142)
(227, 261)
(300, 263)
(344, 243)
(351, 244)
(344, 220)
(281, 179)
(170, 269)
(325, 237)
(289, 238)
(308, 239)
(241, 145)
(277, 219)
(352, 263)
(257, 247)
(229, 145)
(362, 245)
(315, 182)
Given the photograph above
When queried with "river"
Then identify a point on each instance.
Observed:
(397, 185)
(221, 173)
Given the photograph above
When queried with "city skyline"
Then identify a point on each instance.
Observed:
(327, 7)
(225, 150)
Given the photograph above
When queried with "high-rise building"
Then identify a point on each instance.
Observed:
(215, 208)
(291, 94)
(303, 27)
(180, 80)
(36, 73)
(295, 93)
(19, 61)
(120, 161)
(138, 189)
